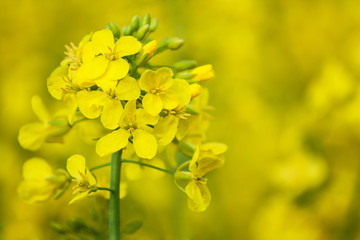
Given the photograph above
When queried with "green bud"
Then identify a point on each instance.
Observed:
(142, 32)
(185, 75)
(153, 24)
(146, 19)
(114, 29)
(175, 43)
(76, 224)
(126, 30)
(135, 23)
(183, 176)
(184, 65)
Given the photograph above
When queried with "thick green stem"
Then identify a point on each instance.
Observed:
(114, 211)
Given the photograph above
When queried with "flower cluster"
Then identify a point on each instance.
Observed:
(145, 109)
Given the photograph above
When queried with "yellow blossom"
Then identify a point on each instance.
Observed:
(40, 183)
(203, 73)
(133, 123)
(85, 181)
(207, 157)
(51, 129)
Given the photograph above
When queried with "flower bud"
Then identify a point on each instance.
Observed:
(185, 75)
(183, 176)
(153, 24)
(203, 73)
(175, 43)
(114, 29)
(126, 31)
(195, 90)
(147, 52)
(184, 65)
(142, 32)
(146, 19)
(135, 23)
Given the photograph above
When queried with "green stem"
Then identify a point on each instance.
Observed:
(147, 165)
(105, 189)
(114, 211)
(100, 166)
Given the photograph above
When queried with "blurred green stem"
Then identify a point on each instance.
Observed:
(114, 211)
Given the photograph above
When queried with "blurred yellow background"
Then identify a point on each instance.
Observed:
(287, 100)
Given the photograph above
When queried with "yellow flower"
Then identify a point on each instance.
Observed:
(40, 183)
(203, 73)
(92, 104)
(103, 64)
(159, 94)
(133, 123)
(85, 181)
(51, 129)
(206, 158)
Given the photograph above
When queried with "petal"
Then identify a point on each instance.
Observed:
(165, 77)
(90, 177)
(35, 191)
(169, 99)
(145, 144)
(127, 89)
(143, 118)
(95, 67)
(111, 113)
(88, 52)
(76, 165)
(199, 196)
(103, 39)
(128, 115)
(56, 83)
(112, 142)
(152, 104)
(216, 148)
(166, 129)
(39, 108)
(183, 90)
(149, 81)
(117, 69)
(71, 103)
(183, 128)
(195, 158)
(32, 136)
(79, 196)
(127, 45)
(36, 169)
(91, 103)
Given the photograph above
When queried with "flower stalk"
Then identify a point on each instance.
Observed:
(114, 210)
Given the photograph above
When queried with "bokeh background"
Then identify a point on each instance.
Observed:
(287, 100)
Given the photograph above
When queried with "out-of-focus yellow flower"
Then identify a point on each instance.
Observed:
(195, 90)
(203, 73)
(40, 183)
(133, 123)
(207, 157)
(102, 60)
(85, 181)
(32, 136)
(159, 94)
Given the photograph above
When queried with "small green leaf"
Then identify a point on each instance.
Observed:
(132, 227)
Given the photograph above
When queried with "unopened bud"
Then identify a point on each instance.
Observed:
(185, 75)
(135, 23)
(203, 73)
(126, 31)
(183, 176)
(147, 52)
(184, 65)
(175, 43)
(195, 90)
(153, 24)
(146, 19)
(114, 29)
(142, 32)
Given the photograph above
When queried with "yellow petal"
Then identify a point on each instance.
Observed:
(71, 103)
(56, 83)
(128, 115)
(216, 148)
(127, 45)
(183, 90)
(145, 144)
(32, 136)
(203, 73)
(103, 39)
(90, 177)
(39, 108)
(183, 128)
(111, 113)
(127, 89)
(152, 104)
(149, 81)
(35, 191)
(164, 75)
(95, 67)
(89, 52)
(143, 118)
(116, 70)
(166, 129)
(91, 103)
(76, 165)
(36, 169)
(199, 196)
(112, 142)
(169, 99)
(79, 196)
